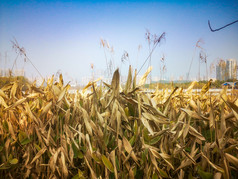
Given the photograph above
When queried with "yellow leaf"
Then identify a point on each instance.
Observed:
(11, 130)
(65, 170)
(206, 87)
(61, 95)
(38, 155)
(129, 149)
(232, 159)
(86, 121)
(147, 125)
(190, 88)
(194, 114)
(2, 102)
(20, 101)
(195, 133)
(129, 80)
(13, 90)
(213, 165)
(113, 159)
(115, 84)
(90, 168)
(143, 78)
(2, 94)
(46, 108)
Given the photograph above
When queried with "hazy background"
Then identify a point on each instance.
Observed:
(65, 36)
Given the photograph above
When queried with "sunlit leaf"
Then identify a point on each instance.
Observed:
(13, 161)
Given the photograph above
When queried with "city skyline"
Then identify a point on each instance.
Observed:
(226, 70)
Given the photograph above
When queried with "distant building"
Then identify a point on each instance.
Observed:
(7, 72)
(226, 70)
(4, 72)
(231, 69)
(19, 72)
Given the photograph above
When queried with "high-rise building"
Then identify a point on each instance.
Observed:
(226, 70)
(231, 69)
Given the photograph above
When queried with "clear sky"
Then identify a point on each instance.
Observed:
(65, 35)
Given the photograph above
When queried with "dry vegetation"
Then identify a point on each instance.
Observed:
(47, 132)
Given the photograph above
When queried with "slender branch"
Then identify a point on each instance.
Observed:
(147, 58)
(21, 51)
(162, 36)
(191, 62)
(108, 73)
(14, 62)
(35, 67)
(213, 30)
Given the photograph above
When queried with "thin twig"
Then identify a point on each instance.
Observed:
(14, 62)
(21, 51)
(157, 42)
(147, 58)
(214, 30)
(34, 67)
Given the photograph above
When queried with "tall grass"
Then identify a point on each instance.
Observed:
(47, 132)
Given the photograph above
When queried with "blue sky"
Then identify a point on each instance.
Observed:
(65, 35)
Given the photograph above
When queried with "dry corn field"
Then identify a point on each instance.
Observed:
(115, 132)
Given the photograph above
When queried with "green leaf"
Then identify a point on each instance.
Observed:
(163, 173)
(146, 135)
(127, 111)
(139, 173)
(80, 154)
(190, 176)
(117, 163)
(75, 150)
(13, 161)
(144, 155)
(132, 140)
(106, 140)
(135, 128)
(155, 140)
(5, 166)
(75, 176)
(37, 147)
(23, 138)
(10, 157)
(1, 147)
(131, 110)
(205, 175)
(155, 176)
(22, 135)
(25, 141)
(79, 175)
(111, 143)
(5, 125)
(188, 149)
(94, 156)
(111, 176)
(107, 163)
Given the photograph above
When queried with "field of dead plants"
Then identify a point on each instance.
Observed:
(47, 132)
